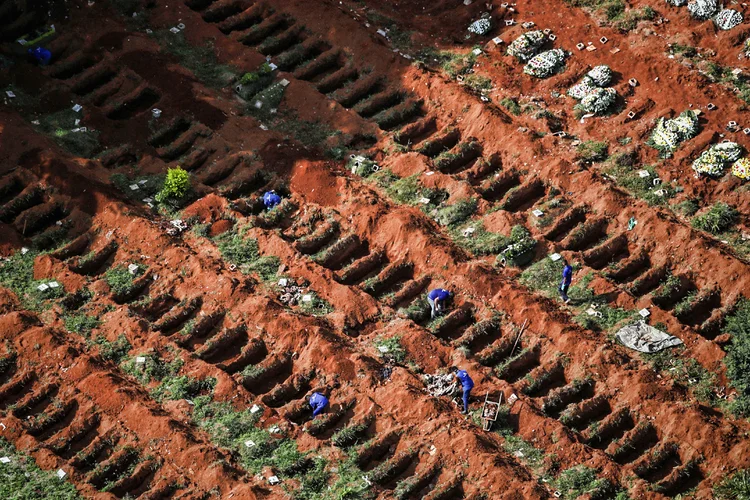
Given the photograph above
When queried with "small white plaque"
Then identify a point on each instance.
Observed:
(140, 359)
(555, 257)
(644, 312)
(61, 473)
(537, 213)
(77, 108)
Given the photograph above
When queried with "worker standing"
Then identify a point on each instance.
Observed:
(318, 403)
(271, 199)
(567, 277)
(439, 300)
(466, 383)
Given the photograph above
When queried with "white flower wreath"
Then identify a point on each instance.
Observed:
(545, 64)
(527, 45)
(703, 9)
(727, 19)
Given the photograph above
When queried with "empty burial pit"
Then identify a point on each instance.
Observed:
(611, 428)
(566, 222)
(607, 252)
(90, 81)
(325, 64)
(585, 235)
(629, 269)
(444, 141)
(170, 132)
(496, 187)
(360, 268)
(416, 131)
(134, 104)
(634, 443)
(338, 79)
(524, 195)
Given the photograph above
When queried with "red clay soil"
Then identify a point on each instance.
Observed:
(233, 160)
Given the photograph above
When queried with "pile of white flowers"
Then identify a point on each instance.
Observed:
(594, 98)
(703, 9)
(668, 134)
(677, 3)
(741, 169)
(601, 75)
(727, 19)
(527, 45)
(598, 101)
(481, 26)
(546, 64)
(713, 161)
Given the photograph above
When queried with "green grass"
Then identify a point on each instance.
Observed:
(685, 371)
(120, 280)
(182, 387)
(717, 219)
(81, 323)
(22, 479)
(451, 215)
(544, 276)
(394, 351)
(112, 351)
(641, 187)
(408, 190)
(612, 318)
(478, 83)
(155, 368)
(593, 151)
(737, 359)
(17, 274)
(734, 487)
(687, 208)
(313, 134)
(148, 189)
(200, 59)
(582, 480)
(316, 307)
(481, 241)
(244, 253)
(511, 105)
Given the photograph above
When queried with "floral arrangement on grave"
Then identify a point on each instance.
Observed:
(668, 134)
(527, 45)
(546, 64)
(714, 160)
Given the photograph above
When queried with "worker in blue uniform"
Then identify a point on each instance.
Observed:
(271, 199)
(467, 384)
(439, 300)
(41, 55)
(318, 403)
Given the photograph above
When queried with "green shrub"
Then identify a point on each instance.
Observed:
(23, 479)
(734, 487)
(183, 387)
(511, 105)
(176, 186)
(737, 359)
(593, 151)
(120, 280)
(688, 207)
(451, 215)
(544, 276)
(113, 351)
(480, 241)
(244, 253)
(81, 323)
(154, 368)
(391, 350)
(719, 218)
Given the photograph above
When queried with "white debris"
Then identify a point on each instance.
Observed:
(537, 213)
(645, 313)
(140, 359)
(255, 409)
(156, 112)
(53, 284)
(249, 443)
(10, 94)
(77, 108)
(134, 187)
(307, 298)
(4, 460)
(440, 385)
(43, 287)
(555, 257)
(61, 473)
(132, 268)
(24, 250)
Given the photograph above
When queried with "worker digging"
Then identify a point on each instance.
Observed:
(467, 384)
(318, 403)
(440, 300)
(271, 199)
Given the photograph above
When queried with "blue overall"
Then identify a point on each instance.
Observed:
(318, 403)
(566, 279)
(441, 295)
(41, 55)
(271, 199)
(467, 385)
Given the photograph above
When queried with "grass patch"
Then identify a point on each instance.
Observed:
(120, 280)
(17, 274)
(593, 151)
(390, 349)
(244, 253)
(451, 215)
(408, 190)
(583, 480)
(544, 276)
(685, 371)
(112, 351)
(612, 318)
(200, 59)
(641, 187)
(81, 323)
(481, 241)
(182, 387)
(717, 219)
(687, 208)
(21, 478)
(734, 487)
(154, 368)
(737, 359)
(316, 306)
(511, 105)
